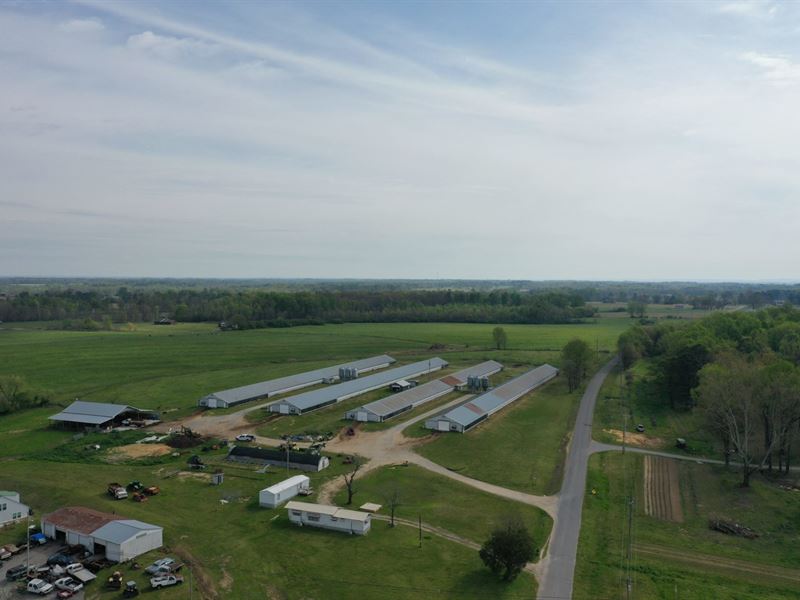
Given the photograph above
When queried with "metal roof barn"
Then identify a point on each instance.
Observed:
(315, 399)
(473, 412)
(119, 539)
(282, 385)
(98, 414)
(386, 408)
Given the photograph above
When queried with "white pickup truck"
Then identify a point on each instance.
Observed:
(40, 586)
(165, 581)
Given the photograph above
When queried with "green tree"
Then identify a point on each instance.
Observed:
(576, 358)
(500, 338)
(637, 308)
(509, 548)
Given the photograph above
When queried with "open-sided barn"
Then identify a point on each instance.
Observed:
(302, 403)
(283, 385)
(469, 414)
(82, 414)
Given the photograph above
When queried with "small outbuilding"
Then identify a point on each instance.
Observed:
(114, 536)
(282, 491)
(324, 516)
(302, 461)
(11, 508)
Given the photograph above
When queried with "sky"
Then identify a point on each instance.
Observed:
(583, 140)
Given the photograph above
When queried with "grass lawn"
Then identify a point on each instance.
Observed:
(171, 367)
(705, 491)
(243, 551)
(443, 503)
(522, 447)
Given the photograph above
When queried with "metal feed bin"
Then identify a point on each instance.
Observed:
(217, 478)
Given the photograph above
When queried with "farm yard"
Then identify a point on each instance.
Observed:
(231, 519)
(670, 553)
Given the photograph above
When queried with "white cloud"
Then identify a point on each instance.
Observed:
(780, 70)
(171, 47)
(81, 25)
(760, 9)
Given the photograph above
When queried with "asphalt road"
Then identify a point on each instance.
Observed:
(557, 570)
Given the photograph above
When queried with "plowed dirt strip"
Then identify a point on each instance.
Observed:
(662, 495)
(706, 562)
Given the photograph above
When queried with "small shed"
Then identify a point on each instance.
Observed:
(400, 386)
(282, 491)
(324, 516)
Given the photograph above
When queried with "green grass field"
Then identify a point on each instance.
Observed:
(249, 552)
(455, 507)
(521, 447)
(239, 549)
(705, 491)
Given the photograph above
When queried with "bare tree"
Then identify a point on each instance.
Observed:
(729, 392)
(349, 480)
(393, 501)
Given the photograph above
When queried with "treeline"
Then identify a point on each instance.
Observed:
(15, 394)
(741, 369)
(249, 309)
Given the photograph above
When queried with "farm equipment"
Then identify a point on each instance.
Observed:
(135, 486)
(153, 490)
(680, 443)
(117, 492)
(196, 463)
(139, 497)
(131, 590)
(348, 460)
(114, 582)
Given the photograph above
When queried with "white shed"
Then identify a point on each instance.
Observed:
(324, 516)
(282, 491)
(127, 539)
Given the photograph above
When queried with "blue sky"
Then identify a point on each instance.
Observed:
(414, 139)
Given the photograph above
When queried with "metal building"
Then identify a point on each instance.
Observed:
(469, 414)
(282, 385)
(303, 403)
(386, 408)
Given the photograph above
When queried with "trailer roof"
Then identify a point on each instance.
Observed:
(355, 386)
(325, 509)
(274, 386)
(287, 484)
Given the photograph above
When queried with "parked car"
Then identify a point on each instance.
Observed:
(59, 558)
(245, 437)
(16, 573)
(39, 586)
(68, 584)
(162, 565)
(640, 428)
(165, 581)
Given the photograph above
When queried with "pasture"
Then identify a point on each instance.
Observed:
(686, 556)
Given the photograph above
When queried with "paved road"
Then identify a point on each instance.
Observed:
(557, 569)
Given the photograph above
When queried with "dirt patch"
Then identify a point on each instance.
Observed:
(134, 451)
(194, 475)
(226, 583)
(662, 495)
(636, 439)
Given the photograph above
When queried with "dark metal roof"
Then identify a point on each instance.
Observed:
(303, 458)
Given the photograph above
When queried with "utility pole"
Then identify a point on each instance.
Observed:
(28, 550)
(629, 557)
(420, 531)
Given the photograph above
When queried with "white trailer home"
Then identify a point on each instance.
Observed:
(282, 491)
(11, 508)
(353, 522)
